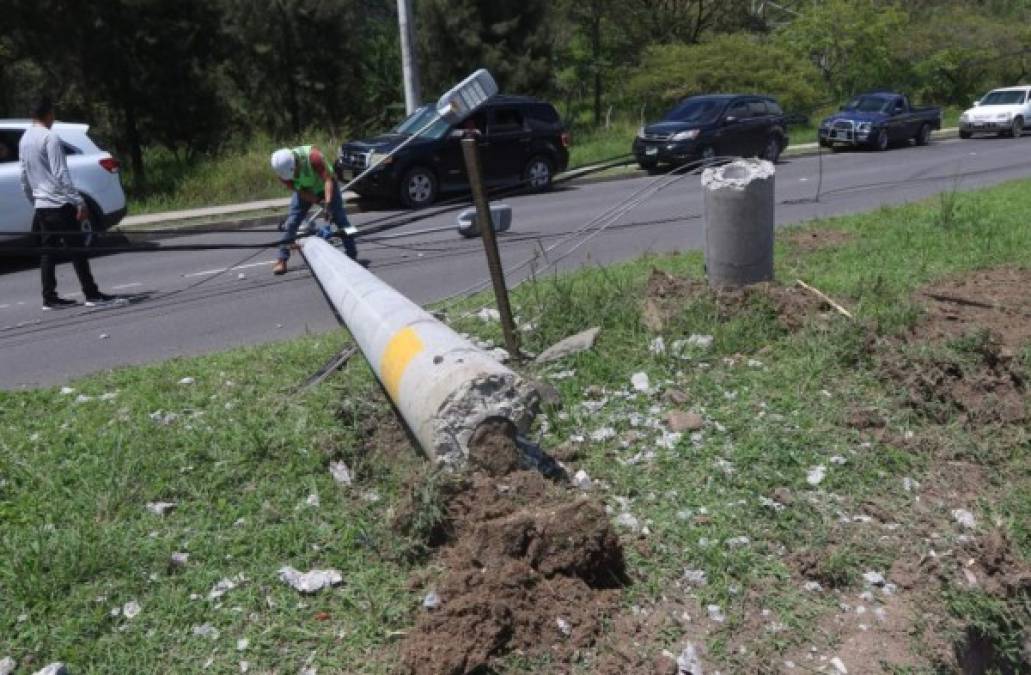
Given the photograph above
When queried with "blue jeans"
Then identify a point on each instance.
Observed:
(299, 209)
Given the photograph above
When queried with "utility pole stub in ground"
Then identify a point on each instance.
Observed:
(739, 219)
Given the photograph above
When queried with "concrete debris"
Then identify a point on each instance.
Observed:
(700, 341)
(83, 398)
(488, 314)
(310, 582)
(812, 586)
(839, 666)
(206, 630)
(431, 601)
(603, 434)
(161, 508)
(581, 480)
(657, 346)
(224, 586)
(594, 406)
(242, 644)
(815, 475)
(770, 503)
(308, 670)
(313, 500)
(640, 381)
(873, 578)
(562, 375)
(754, 363)
(241, 275)
(103, 336)
(244, 666)
(573, 344)
(668, 440)
(689, 662)
(187, 380)
(909, 485)
(680, 421)
(500, 355)
(341, 473)
(694, 577)
(724, 466)
(838, 460)
(163, 418)
(715, 613)
(628, 521)
(564, 627)
(53, 669)
(738, 542)
(131, 610)
(549, 394)
(66, 391)
(109, 396)
(964, 518)
(7, 665)
(640, 457)
(371, 496)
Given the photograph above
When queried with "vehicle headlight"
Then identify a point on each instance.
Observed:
(1005, 116)
(688, 135)
(825, 124)
(965, 117)
(640, 132)
(864, 126)
(377, 157)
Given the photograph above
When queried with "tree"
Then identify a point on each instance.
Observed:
(511, 38)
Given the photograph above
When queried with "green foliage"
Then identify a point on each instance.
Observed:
(511, 38)
(728, 63)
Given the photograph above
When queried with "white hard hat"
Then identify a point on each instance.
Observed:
(283, 163)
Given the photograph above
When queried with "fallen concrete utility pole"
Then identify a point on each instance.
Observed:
(442, 384)
(739, 219)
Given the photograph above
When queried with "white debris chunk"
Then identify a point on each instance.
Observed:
(187, 380)
(131, 610)
(53, 669)
(603, 434)
(564, 626)
(964, 518)
(109, 396)
(839, 666)
(700, 341)
(629, 522)
(694, 577)
(738, 542)
(873, 578)
(908, 484)
(312, 500)
(7, 665)
(244, 666)
(754, 363)
(657, 346)
(103, 336)
(573, 344)
(581, 480)
(838, 460)
(716, 613)
(312, 581)
(161, 508)
(815, 475)
(488, 314)
(562, 375)
(689, 662)
(83, 398)
(640, 381)
(431, 601)
(341, 473)
(224, 586)
(206, 630)
(770, 503)
(812, 586)
(242, 644)
(66, 391)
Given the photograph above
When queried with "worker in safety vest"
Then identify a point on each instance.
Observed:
(306, 172)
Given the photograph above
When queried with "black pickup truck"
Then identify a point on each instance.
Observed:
(879, 119)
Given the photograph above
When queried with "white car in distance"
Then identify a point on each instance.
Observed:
(1003, 111)
(94, 173)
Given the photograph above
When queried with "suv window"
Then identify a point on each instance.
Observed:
(738, 109)
(774, 107)
(9, 145)
(542, 115)
(506, 120)
(757, 108)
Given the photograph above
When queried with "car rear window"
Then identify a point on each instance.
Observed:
(774, 107)
(506, 119)
(542, 115)
(757, 108)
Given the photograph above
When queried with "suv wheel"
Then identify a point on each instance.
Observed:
(923, 137)
(1017, 130)
(418, 188)
(538, 173)
(771, 153)
(882, 140)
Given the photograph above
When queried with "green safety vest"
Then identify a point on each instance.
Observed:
(307, 178)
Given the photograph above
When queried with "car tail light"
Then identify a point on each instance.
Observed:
(567, 139)
(110, 164)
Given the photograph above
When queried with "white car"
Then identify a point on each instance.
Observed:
(94, 173)
(1001, 111)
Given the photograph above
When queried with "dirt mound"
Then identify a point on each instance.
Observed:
(996, 568)
(807, 241)
(994, 300)
(983, 388)
(525, 569)
(667, 295)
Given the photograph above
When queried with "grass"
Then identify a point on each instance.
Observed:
(244, 453)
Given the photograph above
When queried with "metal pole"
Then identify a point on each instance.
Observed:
(409, 63)
(490, 244)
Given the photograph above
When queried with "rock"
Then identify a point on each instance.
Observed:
(838, 666)
(581, 480)
(815, 475)
(738, 542)
(628, 521)
(812, 586)
(873, 578)
(178, 560)
(964, 518)
(700, 341)
(431, 601)
(680, 421)
(694, 577)
(676, 396)
(160, 508)
(65, 391)
(131, 609)
(313, 500)
(549, 393)
(716, 613)
(657, 346)
(573, 344)
(83, 398)
(488, 314)
(603, 434)
(689, 662)
(245, 666)
(908, 484)
(224, 586)
(7, 665)
(310, 582)
(187, 380)
(206, 630)
(640, 382)
(564, 627)
(53, 669)
(341, 473)
(242, 644)
(838, 460)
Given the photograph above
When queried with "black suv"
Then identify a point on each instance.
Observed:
(703, 127)
(521, 139)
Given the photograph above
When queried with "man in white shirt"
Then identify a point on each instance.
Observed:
(60, 209)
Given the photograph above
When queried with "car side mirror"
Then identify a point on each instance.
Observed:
(977, 103)
(729, 119)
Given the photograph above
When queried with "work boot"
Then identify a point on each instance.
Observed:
(279, 268)
(58, 303)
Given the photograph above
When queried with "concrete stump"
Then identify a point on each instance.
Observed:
(739, 217)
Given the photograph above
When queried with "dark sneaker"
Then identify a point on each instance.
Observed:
(58, 303)
(100, 299)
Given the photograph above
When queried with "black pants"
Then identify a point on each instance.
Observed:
(52, 224)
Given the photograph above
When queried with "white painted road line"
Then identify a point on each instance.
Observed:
(121, 286)
(227, 269)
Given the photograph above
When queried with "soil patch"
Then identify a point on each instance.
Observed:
(667, 295)
(994, 300)
(526, 568)
(808, 241)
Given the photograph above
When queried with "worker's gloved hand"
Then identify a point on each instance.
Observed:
(326, 232)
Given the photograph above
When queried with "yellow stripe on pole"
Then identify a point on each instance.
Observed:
(400, 351)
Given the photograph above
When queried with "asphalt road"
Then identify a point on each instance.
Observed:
(203, 301)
